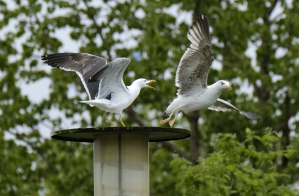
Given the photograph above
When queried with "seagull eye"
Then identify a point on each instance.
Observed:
(222, 83)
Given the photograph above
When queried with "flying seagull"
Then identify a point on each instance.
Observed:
(102, 81)
(191, 77)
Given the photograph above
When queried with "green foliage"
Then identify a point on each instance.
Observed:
(16, 175)
(235, 168)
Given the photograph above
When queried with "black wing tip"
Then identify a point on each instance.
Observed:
(62, 54)
(250, 115)
(201, 17)
(51, 59)
(201, 23)
(45, 57)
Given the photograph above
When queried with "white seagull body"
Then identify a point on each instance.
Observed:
(191, 77)
(103, 81)
(205, 99)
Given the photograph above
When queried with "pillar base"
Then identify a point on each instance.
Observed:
(121, 163)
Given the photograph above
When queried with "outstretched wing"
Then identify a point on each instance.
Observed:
(111, 79)
(224, 106)
(193, 69)
(85, 65)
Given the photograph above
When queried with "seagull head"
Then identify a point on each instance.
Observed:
(224, 85)
(144, 83)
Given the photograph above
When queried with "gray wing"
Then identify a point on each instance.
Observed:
(85, 65)
(193, 69)
(111, 79)
(224, 106)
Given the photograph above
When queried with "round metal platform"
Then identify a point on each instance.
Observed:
(88, 134)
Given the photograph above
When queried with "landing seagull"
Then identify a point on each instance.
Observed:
(191, 77)
(102, 81)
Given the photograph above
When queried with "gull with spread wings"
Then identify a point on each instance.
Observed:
(102, 81)
(191, 77)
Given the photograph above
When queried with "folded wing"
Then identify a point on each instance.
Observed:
(111, 79)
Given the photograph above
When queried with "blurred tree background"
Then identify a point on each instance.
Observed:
(255, 45)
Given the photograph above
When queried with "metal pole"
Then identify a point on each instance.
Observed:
(121, 165)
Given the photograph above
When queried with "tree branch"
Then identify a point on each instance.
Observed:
(196, 11)
(225, 63)
(286, 130)
(195, 136)
(170, 37)
(270, 10)
(262, 93)
(232, 51)
(173, 148)
(264, 57)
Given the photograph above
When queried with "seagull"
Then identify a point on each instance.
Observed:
(191, 77)
(102, 81)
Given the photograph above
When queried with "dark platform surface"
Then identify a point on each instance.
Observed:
(88, 134)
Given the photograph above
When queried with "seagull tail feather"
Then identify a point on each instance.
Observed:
(87, 102)
(100, 103)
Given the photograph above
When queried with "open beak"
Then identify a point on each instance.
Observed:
(229, 87)
(150, 81)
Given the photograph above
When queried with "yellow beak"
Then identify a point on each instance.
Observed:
(229, 87)
(151, 81)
